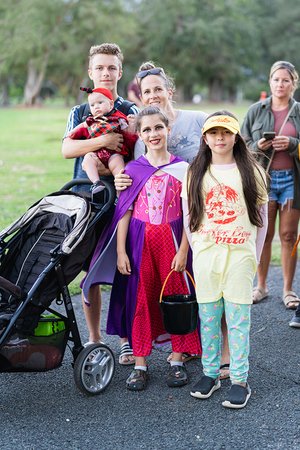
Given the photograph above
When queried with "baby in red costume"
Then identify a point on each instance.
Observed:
(104, 119)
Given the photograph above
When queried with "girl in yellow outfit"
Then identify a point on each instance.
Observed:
(227, 226)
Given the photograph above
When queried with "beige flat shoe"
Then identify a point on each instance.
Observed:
(259, 294)
(291, 300)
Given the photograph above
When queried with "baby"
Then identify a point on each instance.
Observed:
(104, 119)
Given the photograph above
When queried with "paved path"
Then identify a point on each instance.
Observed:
(44, 411)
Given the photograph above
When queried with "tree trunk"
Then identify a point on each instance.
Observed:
(35, 78)
(4, 94)
(215, 90)
(188, 93)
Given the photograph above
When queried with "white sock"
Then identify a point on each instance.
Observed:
(176, 363)
(141, 368)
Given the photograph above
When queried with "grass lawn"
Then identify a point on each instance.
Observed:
(31, 164)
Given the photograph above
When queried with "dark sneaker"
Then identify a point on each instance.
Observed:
(137, 380)
(238, 396)
(96, 188)
(205, 387)
(177, 376)
(295, 322)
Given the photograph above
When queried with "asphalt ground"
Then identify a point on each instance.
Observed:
(42, 411)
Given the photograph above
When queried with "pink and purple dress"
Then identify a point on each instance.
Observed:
(154, 235)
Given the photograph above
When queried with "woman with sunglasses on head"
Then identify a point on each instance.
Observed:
(157, 89)
(272, 130)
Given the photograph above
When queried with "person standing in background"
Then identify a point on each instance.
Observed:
(279, 154)
(134, 93)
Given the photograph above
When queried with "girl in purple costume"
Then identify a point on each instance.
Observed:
(150, 242)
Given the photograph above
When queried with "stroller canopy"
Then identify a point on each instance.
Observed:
(63, 202)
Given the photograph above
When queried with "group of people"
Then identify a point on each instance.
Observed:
(192, 195)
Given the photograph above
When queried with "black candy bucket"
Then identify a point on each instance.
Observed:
(180, 311)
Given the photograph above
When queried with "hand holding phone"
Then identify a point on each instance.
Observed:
(269, 135)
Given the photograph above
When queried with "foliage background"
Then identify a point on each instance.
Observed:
(222, 49)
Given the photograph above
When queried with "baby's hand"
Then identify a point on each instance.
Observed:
(131, 123)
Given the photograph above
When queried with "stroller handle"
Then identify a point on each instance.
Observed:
(75, 182)
(83, 181)
(10, 288)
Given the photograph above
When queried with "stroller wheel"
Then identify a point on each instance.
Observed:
(94, 368)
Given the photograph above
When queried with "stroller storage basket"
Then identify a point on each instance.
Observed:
(44, 350)
(180, 311)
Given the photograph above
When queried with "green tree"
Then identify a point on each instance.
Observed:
(216, 46)
(277, 38)
(200, 42)
(51, 38)
(281, 32)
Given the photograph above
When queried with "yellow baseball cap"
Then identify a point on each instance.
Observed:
(227, 122)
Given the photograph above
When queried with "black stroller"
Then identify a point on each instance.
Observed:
(40, 254)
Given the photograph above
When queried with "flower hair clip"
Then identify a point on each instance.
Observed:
(86, 89)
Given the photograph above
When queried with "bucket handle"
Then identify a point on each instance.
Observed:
(168, 276)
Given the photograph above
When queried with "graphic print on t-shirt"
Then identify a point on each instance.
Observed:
(181, 145)
(222, 204)
(226, 217)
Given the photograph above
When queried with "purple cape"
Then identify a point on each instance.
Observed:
(102, 269)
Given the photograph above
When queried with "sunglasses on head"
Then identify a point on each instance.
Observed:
(287, 65)
(154, 71)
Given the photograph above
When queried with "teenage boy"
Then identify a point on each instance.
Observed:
(105, 70)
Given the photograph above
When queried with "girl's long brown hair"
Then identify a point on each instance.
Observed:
(246, 165)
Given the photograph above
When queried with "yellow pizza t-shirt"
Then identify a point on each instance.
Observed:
(224, 246)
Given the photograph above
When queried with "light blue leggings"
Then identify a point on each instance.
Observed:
(238, 324)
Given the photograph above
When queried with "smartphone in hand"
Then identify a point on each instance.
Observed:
(269, 135)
